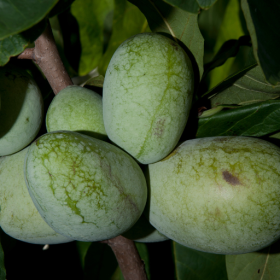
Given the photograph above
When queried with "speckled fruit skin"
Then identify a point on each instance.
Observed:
(147, 95)
(84, 188)
(21, 113)
(19, 217)
(218, 194)
(144, 232)
(77, 109)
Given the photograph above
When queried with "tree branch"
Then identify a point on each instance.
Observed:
(128, 258)
(46, 56)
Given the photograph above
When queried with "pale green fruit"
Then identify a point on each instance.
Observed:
(147, 96)
(84, 188)
(144, 232)
(218, 194)
(21, 111)
(19, 217)
(77, 109)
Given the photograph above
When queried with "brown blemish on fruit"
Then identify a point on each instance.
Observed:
(159, 127)
(231, 179)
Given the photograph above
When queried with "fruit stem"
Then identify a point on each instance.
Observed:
(46, 56)
(132, 267)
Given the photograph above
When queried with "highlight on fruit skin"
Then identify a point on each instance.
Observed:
(218, 194)
(19, 217)
(21, 111)
(77, 109)
(84, 188)
(147, 96)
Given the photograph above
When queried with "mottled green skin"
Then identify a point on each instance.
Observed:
(21, 113)
(147, 96)
(84, 188)
(218, 194)
(144, 232)
(19, 217)
(77, 109)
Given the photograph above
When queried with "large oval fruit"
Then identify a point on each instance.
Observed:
(77, 109)
(218, 194)
(21, 111)
(19, 217)
(84, 188)
(147, 96)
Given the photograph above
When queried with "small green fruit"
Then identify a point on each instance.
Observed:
(147, 95)
(218, 194)
(77, 109)
(144, 232)
(19, 217)
(21, 111)
(84, 188)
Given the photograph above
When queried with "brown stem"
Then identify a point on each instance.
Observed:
(47, 58)
(27, 54)
(128, 258)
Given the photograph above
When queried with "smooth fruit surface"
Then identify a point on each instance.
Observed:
(21, 111)
(84, 188)
(147, 96)
(19, 217)
(77, 109)
(218, 194)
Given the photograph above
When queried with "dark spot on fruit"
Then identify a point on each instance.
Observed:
(159, 127)
(27, 119)
(231, 179)
(259, 270)
(175, 46)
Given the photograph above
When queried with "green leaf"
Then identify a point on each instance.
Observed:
(19, 15)
(206, 4)
(195, 265)
(259, 265)
(128, 21)
(190, 6)
(250, 88)
(144, 255)
(263, 20)
(257, 120)
(95, 81)
(60, 7)
(91, 15)
(98, 260)
(179, 24)
(15, 44)
(230, 28)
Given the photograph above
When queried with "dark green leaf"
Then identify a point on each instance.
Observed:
(95, 81)
(98, 260)
(91, 15)
(188, 6)
(195, 265)
(250, 88)
(2, 267)
(128, 21)
(206, 4)
(229, 81)
(229, 49)
(179, 24)
(259, 265)
(19, 15)
(257, 120)
(144, 255)
(60, 7)
(15, 44)
(263, 20)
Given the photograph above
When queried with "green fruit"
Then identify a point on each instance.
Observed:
(19, 217)
(21, 111)
(84, 188)
(218, 194)
(147, 95)
(144, 232)
(77, 109)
